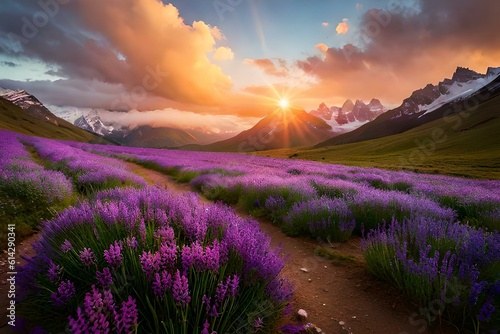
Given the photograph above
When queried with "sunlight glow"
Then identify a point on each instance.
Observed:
(283, 103)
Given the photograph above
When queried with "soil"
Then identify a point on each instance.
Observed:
(339, 296)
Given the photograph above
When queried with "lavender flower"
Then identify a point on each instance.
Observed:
(87, 257)
(126, 319)
(486, 310)
(162, 283)
(66, 246)
(104, 277)
(54, 272)
(65, 291)
(150, 263)
(131, 242)
(181, 289)
(114, 255)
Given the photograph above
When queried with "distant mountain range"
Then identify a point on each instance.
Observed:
(465, 89)
(350, 116)
(326, 126)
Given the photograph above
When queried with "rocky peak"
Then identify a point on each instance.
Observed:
(347, 106)
(464, 74)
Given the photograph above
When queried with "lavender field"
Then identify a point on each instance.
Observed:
(126, 257)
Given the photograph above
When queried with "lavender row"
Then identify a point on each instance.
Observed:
(449, 269)
(89, 172)
(152, 261)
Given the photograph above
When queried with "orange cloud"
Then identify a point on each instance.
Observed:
(322, 47)
(269, 67)
(162, 55)
(342, 27)
(223, 53)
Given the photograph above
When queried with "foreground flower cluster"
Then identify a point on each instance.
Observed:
(152, 261)
(435, 237)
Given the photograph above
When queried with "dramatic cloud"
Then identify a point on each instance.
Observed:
(342, 27)
(398, 50)
(143, 45)
(223, 53)
(269, 66)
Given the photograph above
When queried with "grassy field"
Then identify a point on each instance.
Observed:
(465, 144)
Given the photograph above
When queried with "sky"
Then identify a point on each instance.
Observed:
(221, 65)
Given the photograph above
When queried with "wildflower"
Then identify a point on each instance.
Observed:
(131, 242)
(54, 272)
(65, 291)
(114, 255)
(181, 289)
(66, 246)
(104, 277)
(150, 263)
(87, 257)
(162, 283)
(126, 319)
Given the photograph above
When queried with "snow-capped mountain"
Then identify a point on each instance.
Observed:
(463, 84)
(464, 90)
(350, 116)
(30, 104)
(93, 123)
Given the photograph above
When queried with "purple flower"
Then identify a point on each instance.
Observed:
(258, 323)
(104, 277)
(206, 327)
(66, 246)
(79, 325)
(126, 319)
(181, 289)
(475, 291)
(131, 242)
(114, 255)
(168, 255)
(486, 311)
(87, 257)
(54, 272)
(150, 263)
(65, 291)
(162, 283)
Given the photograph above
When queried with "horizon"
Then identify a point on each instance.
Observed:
(220, 66)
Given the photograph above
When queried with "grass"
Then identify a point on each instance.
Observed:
(463, 145)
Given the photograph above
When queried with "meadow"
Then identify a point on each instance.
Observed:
(434, 237)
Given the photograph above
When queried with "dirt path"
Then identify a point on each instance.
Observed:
(339, 298)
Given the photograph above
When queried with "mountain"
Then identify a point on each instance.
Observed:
(30, 104)
(162, 137)
(465, 88)
(93, 123)
(350, 116)
(14, 118)
(280, 129)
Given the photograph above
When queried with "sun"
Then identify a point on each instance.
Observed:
(283, 103)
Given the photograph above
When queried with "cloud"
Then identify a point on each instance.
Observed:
(342, 27)
(9, 64)
(223, 53)
(325, 24)
(322, 47)
(217, 33)
(143, 45)
(398, 51)
(269, 67)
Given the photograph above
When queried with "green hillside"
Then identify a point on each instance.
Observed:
(16, 119)
(467, 144)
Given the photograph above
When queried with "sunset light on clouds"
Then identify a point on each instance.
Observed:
(191, 56)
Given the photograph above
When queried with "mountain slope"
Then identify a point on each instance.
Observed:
(14, 118)
(280, 129)
(425, 105)
(146, 136)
